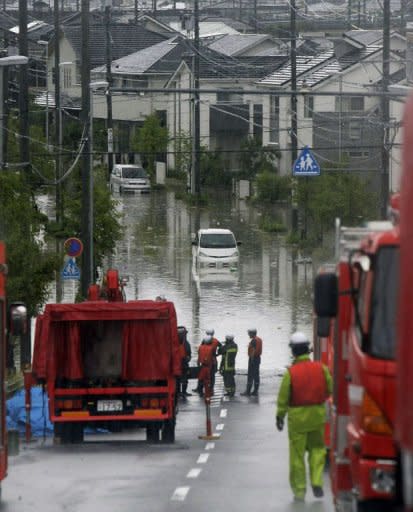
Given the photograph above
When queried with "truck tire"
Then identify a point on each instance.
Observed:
(152, 434)
(69, 433)
(168, 431)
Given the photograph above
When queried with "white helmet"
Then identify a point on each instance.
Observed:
(299, 338)
(207, 340)
(210, 332)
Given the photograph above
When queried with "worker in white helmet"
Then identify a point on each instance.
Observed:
(304, 389)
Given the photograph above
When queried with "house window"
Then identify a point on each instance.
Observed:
(353, 104)
(274, 119)
(354, 130)
(67, 77)
(308, 106)
(258, 119)
(229, 97)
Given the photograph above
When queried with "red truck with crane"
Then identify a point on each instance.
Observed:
(108, 363)
(355, 307)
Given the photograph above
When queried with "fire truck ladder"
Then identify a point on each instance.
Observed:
(348, 238)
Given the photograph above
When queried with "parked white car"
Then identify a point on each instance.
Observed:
(129, 178)
(216, 248)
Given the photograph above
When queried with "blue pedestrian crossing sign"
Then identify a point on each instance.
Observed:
(70, 270)
(306, 164)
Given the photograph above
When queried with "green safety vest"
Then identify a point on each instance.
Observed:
(229, 357)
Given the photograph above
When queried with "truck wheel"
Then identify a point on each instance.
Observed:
(152, 434)
(77, 433)
(371, 506)
(168, 431)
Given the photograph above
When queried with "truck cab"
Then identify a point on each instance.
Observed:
(361, 298)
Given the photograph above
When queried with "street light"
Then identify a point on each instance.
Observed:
(93, 86)
(46, 45)
(15, 60)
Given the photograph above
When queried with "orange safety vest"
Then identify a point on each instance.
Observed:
(257, 350)
(308, 384)
(205, 355)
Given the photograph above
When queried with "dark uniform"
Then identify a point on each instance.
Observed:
(227, 368)
(185, 352)
(254, 361)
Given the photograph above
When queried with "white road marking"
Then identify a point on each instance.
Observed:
(209, 446)
(194, 473)
(223, 413)
(220, 426)
(180, 494)
(203, 458)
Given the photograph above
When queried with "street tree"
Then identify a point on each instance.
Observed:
(150, 141)
(31, 266)
(335, 193)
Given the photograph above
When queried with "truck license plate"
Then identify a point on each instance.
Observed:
(109, 405)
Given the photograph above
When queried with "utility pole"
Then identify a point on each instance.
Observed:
(23, 86)
(255, 16)
(293, 59)
(136, 11)
(109, 119)
(197, 117)
(5, 117)
(87, 276)
(58, 107)
(349, 12)
(385, 109)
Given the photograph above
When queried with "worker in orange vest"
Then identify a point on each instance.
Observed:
(185, 353)
(205, 360)
(254, 361)
(216, 346)
(304, 389)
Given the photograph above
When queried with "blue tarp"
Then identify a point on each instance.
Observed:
(39, 415)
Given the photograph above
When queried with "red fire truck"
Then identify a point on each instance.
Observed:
(360, 297)
(108, 363)
(14, 316)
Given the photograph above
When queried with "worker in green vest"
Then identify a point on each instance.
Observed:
(227, 368)
(304, 389)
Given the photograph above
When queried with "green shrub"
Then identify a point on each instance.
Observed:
(271, 187)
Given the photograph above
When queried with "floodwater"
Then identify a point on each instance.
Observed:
(270, 290)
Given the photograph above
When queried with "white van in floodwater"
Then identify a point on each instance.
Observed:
(216, 248)
(129, 178)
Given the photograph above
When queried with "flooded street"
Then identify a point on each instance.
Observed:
(269, 291)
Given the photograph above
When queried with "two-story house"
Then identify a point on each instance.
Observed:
(339, 128)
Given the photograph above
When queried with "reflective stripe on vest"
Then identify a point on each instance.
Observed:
(308, 383)
(229, 358)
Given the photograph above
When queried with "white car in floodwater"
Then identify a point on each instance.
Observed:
(216, 249)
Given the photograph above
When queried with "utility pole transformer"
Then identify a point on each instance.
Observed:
(87, 263)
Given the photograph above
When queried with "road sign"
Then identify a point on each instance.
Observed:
(70, 270)
(306, 164)
(73, 247)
